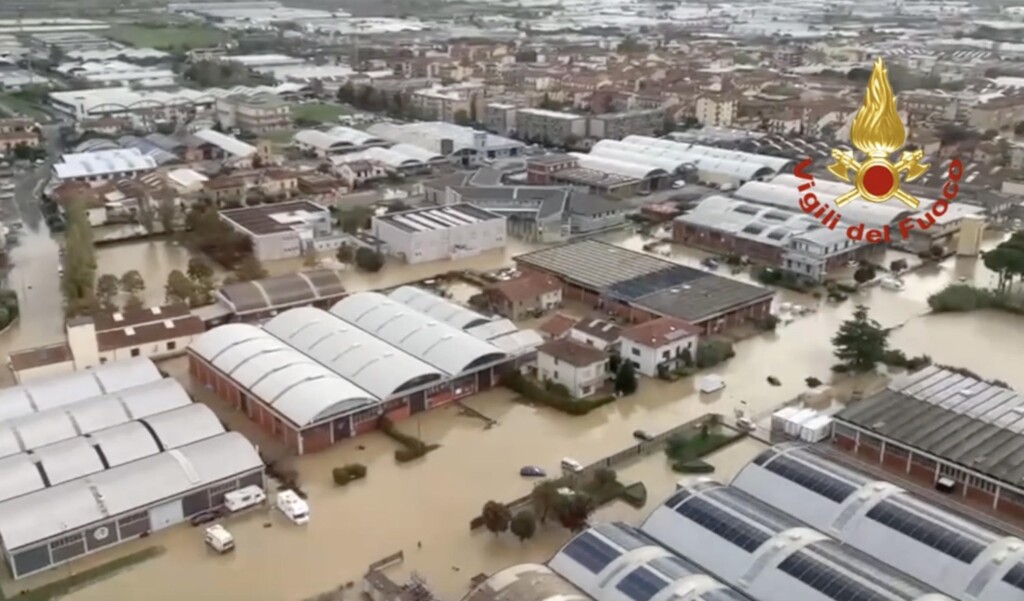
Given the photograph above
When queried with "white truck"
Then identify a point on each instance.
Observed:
(293, 507)
(219, 539)
(244, 498)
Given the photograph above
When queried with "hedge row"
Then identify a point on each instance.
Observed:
(551, 398)
(352, 471)
(414, 448)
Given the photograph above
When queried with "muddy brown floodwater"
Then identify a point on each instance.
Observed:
(432, 500)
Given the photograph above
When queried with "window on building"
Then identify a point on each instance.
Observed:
(665, 355)
(635, 351)
(556, 375)
(135, 352)
(172, 345)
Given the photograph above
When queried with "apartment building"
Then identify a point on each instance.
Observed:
(445, 103)
(500, 118)
(256, 114)
(616, 126)
(550, 127)
(998, 113)
(716, 110)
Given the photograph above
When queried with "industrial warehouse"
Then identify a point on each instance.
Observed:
(95, 458)
(937, 424)
(312, 377)
(798, 523)
(638, 287)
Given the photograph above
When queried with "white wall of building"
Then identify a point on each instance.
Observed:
(154, 350)
(580, 381)
(441, 244)
(646, 358)
(43, 371)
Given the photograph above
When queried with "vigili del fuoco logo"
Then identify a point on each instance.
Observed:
(877, 133)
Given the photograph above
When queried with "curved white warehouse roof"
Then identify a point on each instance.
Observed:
(615, 562)
(441, 345)
(633, 169)
(614, 149)
(62, 390)
(768, 554)
(857, 211)
(84, 417)
(776, 164)
(47, 513)
(352, 353)
(77, 457)
(294, 385)
(320, 140)
(955, 555)
(525, 582)
(353, 136)
(706, 164)
(437, 307)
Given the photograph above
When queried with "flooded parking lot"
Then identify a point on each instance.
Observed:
(431, 501)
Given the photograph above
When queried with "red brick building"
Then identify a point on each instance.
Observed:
(636, 287)
(311, 377)
(936, 423)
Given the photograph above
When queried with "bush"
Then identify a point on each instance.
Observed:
(784, 279)
(962, 298)
(897, 358)
(352, 471)
(368, 259)
(768, 323)
(693, 466)
(712, 352)
(518, 383)
(812, 382)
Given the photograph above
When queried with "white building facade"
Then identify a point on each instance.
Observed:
(440, 233)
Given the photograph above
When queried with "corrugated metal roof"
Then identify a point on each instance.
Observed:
(437, 308)
(48, 513)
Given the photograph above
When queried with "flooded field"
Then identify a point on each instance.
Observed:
(431, 501)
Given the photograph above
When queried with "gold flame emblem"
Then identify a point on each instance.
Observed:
(878, 132)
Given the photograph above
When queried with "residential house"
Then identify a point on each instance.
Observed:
(525, 296)
(558, 326)
(255, 114)
(662, 343)
(598, 333)
(716, 110)
(322, 189)
(357, 173)
(580, 368)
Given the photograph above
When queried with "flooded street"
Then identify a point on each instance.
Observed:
(432, 500)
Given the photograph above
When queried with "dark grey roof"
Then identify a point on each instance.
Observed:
(957, 418)
(665, 287)
(546, 201)
(581, 203)
(486, 177)
(282, 291)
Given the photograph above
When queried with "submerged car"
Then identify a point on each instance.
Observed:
(532, 471)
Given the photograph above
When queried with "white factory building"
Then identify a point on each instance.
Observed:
(440, 233)
(959, 557)
(460, 145)
(769, 555)
(95, 458)
(337, 140)
(616, 562)
(103, 165)
(709, 165)
(283, 230)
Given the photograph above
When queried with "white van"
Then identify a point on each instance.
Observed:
(293, 506)
(571, 465)
(243, 498)
(219, 539)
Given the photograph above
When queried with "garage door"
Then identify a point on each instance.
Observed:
(166, 515)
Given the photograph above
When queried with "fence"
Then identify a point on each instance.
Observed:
(641, 449)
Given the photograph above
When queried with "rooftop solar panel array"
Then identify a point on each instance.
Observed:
(723, 524)
(591, 552)
(824, 578)
(926, 531)
(813, 480)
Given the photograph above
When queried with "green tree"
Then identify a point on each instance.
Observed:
(133, 303)
(861, 343)
(179, 288)
(523, 525)
(544, 497)
(496, 517)
(354, 219)
(368, 259)
(574, 511)
(250, 269)
(462, 117)
(345, 254)
(167, 213)
(132, 283)
(79, 279)
(625, 378)
(201, 275)
(864, 273)
(1007, 261)
(108, 286)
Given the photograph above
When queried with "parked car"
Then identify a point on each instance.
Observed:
(532, 471)
(205, 517)
(642, 435)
